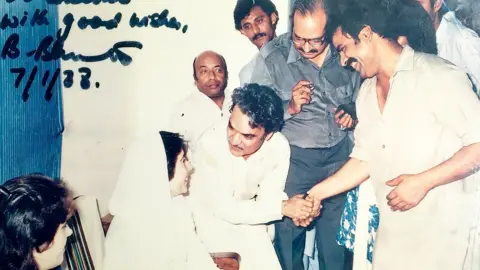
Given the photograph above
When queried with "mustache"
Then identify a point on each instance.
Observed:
(259, 35)
(311, 51)
(350, 61)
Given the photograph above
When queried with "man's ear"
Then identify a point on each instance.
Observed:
(366, 33)
(274, 19)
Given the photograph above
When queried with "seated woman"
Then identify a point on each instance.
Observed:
(33, 231)
(152, 227)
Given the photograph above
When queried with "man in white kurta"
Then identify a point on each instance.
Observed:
(233, 195)
(207, 105)
(430, 115)
(418, 139)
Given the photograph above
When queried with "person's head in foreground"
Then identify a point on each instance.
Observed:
(256, 114)
(364, 35)
(257, 20)
(178, 166)
(33, 230)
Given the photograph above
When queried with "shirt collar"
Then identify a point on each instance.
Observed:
(405, 61)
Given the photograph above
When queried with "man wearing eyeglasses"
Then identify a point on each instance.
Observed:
(305, 70)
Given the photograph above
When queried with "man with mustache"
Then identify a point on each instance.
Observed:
(257, 20)
(418, 140)
(456, 43)
(306, 72)
(241, 166)
(205, 107)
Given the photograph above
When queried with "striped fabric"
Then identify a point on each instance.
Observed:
(77, 254)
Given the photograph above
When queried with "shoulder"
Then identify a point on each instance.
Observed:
(278, 45)
(279, 144)
(439, 75)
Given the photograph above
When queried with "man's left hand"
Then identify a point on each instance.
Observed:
(409, 191)
(343, 119)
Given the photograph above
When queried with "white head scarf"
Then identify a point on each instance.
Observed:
(150, 228)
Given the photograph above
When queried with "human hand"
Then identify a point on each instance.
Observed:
(409, 191)
(227, 263)
(344, 118)
(317, 206)
(301, 95)
(297, 207)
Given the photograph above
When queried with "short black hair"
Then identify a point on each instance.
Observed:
(222, 60)
(389, 19)
(353, 15)
(174, 145)
(32, 207)
(261, 104)
(412, 21)
(243, 8)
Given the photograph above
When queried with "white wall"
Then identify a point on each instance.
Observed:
(100, 123)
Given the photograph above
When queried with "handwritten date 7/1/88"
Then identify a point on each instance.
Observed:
(49, 81)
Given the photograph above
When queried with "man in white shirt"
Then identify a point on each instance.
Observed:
(241, 166)
(205, 107)
(257, 20)
(456, 43)
(418, 139)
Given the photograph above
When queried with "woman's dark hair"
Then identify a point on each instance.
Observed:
(32, 207)
(261, 104)
(174, 145)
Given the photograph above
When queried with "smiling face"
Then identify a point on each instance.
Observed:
(357, 54)
(51, 255)
(210, 74)
(243, 140)
(181, 179)
(258, 27)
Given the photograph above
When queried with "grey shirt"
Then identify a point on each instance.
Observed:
(280, 66)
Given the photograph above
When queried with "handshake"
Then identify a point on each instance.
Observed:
(302, 209)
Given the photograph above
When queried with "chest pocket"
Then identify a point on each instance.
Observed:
(338, 88)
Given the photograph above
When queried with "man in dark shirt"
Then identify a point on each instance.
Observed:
(306, 72)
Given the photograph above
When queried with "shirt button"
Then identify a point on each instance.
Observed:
(383, 146)
(221, 114)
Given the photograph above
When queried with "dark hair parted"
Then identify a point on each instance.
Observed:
(223, 62)
(261, 104)
(32, 207)
(174, 145)
(243, 8)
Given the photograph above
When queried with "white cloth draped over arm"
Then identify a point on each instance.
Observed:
(150, 230)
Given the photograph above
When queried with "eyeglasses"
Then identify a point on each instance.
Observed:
(312, 41)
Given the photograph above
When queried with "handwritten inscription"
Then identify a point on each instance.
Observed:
(51, 47)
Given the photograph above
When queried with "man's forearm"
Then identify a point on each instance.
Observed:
(350, 175)
(462, 164)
